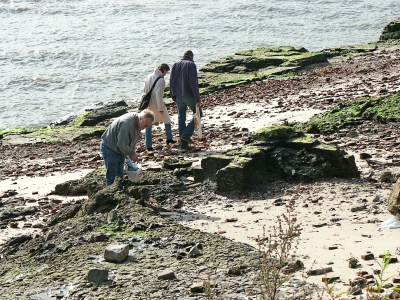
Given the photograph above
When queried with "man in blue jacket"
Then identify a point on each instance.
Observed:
(184, 89)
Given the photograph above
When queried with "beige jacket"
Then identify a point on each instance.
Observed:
(157, 102)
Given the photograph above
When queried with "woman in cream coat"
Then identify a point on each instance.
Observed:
(157, 105)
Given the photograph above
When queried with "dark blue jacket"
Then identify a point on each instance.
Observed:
(183, 79)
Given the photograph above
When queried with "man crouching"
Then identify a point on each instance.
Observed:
(119, 140)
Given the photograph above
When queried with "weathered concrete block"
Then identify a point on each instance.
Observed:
(116, 252)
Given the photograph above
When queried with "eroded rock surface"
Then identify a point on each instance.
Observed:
(277, 152)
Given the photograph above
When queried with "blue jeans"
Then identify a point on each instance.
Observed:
(148, 136)
(114, 163)
(185, 130)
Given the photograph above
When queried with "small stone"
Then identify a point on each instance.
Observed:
(112, 216)
(355, 290)
(197, 287)
(368, 276)
(166, 275)
(362, 273)
(368, 256)
(332, 248)
(37, 225)
(13, 224)
(234, 271)
(116, 252)
(319, 271)
(97, 275)
(358, 281)
(365, 155)
(220, 231)
(178, 204)
(330, 279)
(358, 208)
(194, 251)
(287, 270)
(231, 219)
(319, 225)
(396, 279)
(352, 134)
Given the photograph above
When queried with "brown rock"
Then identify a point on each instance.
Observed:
(220, 231)
(394, 199)
(13, 225)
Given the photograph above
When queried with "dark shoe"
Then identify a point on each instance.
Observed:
(187, 139)
(171, 141)
(150, 149)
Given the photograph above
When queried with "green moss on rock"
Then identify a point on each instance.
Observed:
(251, 65)
(353, 113)
(391, 31)
(274, 133)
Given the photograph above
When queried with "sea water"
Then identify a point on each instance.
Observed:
(58, 57)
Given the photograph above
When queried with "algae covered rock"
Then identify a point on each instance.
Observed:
(252, 65)
(348, 50)
(274, 133)
(172, 164)
(88, 185)
(391, 31)
(279, 152)
(91, 118)
(383, 109)
(64, 214)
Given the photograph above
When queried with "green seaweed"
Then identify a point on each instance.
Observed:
(354, 113)
(274, 132)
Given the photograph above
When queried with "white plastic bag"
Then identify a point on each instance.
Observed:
(197, 123)
(133, 170)
(393, 222)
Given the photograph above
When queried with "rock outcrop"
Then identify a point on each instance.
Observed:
(257, 64)
(277, 152)
(391, 31)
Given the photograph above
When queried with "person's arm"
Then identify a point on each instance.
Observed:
(159, 93)
(171, 83)
(193, 83)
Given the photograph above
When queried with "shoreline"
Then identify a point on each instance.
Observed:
(344, 83)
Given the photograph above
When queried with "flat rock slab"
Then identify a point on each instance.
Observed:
(116, 252)
(172, 164)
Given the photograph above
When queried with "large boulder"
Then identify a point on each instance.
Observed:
(278, 152)
(394, 199)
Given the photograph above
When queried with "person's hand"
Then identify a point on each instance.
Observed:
(174, 99)
(135, 158)
(161, 112)
(198, 104)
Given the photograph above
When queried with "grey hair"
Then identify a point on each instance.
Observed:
(148, 114)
